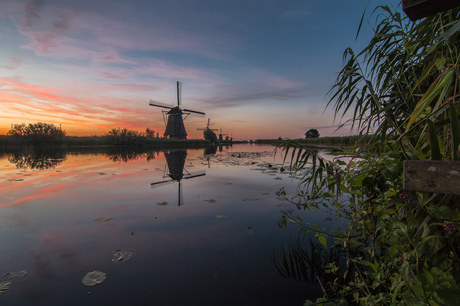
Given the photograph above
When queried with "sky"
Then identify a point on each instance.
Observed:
(259, 69)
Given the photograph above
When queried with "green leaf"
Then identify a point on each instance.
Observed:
(443, 82)
(455, 131)
(434, 144)
(440, 63)
(323, 240)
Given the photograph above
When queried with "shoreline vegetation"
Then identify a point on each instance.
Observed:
(397, 244)
(8, 141)
(346, 141)
(43, 135)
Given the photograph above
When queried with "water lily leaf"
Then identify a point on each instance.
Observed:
(163, 203)
(122, 255)
(210, 201)
(4, 286)
(103, 219)
(251, 199)
(93, 278)
(219, 216)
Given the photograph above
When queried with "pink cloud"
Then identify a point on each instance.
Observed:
(14, 62)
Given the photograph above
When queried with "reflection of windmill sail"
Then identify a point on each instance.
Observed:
(175, 127)
(176, 171)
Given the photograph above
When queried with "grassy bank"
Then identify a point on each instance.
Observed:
(103, 141)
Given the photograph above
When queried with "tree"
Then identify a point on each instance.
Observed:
(149, 133)
(124, 137)
(209, 134)
(38, 134)
(312, 133)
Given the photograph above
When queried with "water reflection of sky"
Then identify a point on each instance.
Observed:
(183, 255)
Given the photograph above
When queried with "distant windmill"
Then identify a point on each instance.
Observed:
(220, 135)
(174, 122)
(175, 170)
(208, 126)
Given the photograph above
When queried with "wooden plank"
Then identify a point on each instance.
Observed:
(432, 176)
(417, 9)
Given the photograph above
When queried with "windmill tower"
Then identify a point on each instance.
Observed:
(174, 121)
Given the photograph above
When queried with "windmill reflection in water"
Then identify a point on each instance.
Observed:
(176, 172)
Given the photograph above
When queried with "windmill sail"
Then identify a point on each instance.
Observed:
(175, 127)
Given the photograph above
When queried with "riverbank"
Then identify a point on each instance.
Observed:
(8, 142)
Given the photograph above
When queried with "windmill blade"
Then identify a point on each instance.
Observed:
(156, 184)
(192, 111)
(194, 175)
(159, 104)
(179, 93)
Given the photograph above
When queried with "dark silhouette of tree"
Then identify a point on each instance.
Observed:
(124, 137)
(37, 134)
(149, 133)
(209, 134)
(312, 133)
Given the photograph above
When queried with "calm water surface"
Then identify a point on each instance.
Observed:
(209, 239)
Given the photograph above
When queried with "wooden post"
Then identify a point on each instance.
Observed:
(417, 9)
(432, 176)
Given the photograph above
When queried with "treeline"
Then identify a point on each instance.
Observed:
(362, 140)
(352, 140)
(37, 134)
(47, 135)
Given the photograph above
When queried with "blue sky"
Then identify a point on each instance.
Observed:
(259, 69)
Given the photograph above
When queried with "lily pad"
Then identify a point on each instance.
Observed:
(4, 286)
(251, 199)
(219, 216)
(163, 203)
(93, 278)
(210, 201)
(103, 219)
(122, 255)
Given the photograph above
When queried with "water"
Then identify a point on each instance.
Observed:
(208, 237)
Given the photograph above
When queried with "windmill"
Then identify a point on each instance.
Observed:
(220, 135)
(208, 133)
(174, 169)
(174, 122)
(208, 126)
